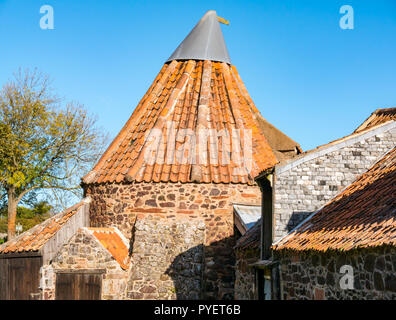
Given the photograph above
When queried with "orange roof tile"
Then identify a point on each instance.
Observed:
(377, 117)
(185, 97)
(113, 243)
(363, 215)
(196, 90)
(35, 238)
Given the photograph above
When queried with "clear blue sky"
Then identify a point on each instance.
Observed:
(307, 76)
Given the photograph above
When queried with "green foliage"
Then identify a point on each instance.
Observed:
(43, 143)
(27, 217)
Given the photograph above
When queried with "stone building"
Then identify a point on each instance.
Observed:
(169, 180)
(189, 152)
(347, 249)
(52, 259)
(104, 252)
(293, 189)
(308, 181)
(24, 258)
(247, 253)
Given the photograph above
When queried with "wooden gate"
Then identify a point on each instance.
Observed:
(19, 277)
(79, 285)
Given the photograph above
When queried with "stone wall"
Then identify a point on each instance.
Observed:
(167, 259)
(120, 204)
(84, 252)
(304, 185)
(314, 275)
(245, 283)
(47, 282)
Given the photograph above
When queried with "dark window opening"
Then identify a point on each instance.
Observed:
(264, 284)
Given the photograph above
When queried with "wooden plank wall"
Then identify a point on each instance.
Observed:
(78, 286)
(19, 277)
(4, 279)
(20, 273)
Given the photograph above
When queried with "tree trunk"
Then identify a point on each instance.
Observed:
(12, 211)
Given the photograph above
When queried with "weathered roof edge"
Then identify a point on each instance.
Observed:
(327, 148)
(287, 143)
(251, 239)
(372, 116)
(75, 207)
(288, 235)
(92, 231)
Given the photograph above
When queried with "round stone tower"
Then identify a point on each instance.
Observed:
(168, 181)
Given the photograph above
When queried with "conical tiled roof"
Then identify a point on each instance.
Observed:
(196, 123)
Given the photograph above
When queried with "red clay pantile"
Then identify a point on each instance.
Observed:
(185, 97)
(35, 238)
(363, 215)
(113, 243)
(377, 117)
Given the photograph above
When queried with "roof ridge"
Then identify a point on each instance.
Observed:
(379, 114)
(382, 110)
(332, 143)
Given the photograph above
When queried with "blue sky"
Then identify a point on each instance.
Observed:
(308, 77)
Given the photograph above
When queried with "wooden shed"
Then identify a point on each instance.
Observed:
(21, 259)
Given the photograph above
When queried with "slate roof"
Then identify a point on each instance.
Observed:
(112, 241)
(34, 239)
(363, 215)
(377, 117)
(186, 97)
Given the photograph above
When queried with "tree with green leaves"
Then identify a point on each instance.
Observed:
(27, 217)
(44, 143)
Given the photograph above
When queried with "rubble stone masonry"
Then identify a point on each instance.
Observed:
(47, 282)
(84, 252)
(245, 288)
(120, 205)
(304, 185)
(167, 259)
(316, 275)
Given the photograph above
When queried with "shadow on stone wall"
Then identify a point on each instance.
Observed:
(132, 240)
(170, 261)
(296, 218)
(186, 272)
(213, 265)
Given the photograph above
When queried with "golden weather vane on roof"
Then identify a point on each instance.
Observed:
(222, 20)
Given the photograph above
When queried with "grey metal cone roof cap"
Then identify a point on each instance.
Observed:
(204, 42)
